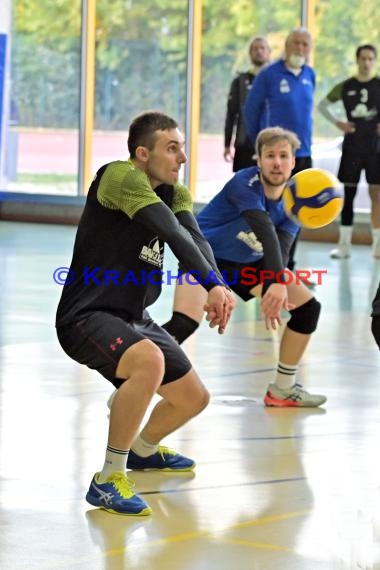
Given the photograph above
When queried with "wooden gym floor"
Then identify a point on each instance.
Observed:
(273, 489)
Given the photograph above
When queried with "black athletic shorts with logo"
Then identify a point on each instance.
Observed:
(100, 339)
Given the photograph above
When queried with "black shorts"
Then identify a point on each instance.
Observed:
(351, 165)
(376, 304)
(243, 158)
(100, 339)
(302, 163)
(232, 275)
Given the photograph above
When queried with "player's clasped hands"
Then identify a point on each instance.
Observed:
(273, 302)
(219, 306)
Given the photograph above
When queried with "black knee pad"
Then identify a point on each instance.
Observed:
(304, 319)
(376, 328)
(180, 326)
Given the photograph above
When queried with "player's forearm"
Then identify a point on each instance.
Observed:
(264, 230)
(161, 220)
(188, 221)
(324, 109)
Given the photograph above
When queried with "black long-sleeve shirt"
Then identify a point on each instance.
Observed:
(234, 122)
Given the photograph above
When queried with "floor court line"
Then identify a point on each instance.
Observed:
(188, 537)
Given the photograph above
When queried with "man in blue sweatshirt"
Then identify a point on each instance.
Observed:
(283, 93)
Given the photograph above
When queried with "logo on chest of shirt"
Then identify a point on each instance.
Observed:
(250, 239)
(284, 86)
(152, 253)
(361, 111)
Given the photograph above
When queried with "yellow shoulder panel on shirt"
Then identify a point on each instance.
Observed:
(125, 187)
(182, 200)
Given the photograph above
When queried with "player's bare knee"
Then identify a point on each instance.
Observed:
(304, 319)
(199, 400)
(143, 357)
(204, 399)
(152, 359)
(193, 401)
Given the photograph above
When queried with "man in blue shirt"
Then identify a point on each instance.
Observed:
(251, 236)
(283, 93)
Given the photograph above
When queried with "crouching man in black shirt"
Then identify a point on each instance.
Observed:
(133, 207)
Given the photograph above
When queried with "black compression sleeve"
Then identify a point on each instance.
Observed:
(286, 240)
(264, 229)
(161, 220)
(187, 220)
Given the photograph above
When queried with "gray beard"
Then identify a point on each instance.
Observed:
(296, 61)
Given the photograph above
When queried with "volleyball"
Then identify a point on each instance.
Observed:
(313, 198)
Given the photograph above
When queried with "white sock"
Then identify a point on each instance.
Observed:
(375, 235)
(142, 448)
(286, 376)
(345, 235)
(115, 460)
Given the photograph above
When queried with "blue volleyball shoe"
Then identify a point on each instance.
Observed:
(116, 495)
(164, 459)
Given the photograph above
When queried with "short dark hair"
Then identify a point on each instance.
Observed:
(255, 39)
(370, 47)
(143, 129)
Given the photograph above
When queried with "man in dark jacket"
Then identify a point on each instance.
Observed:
(242, 157)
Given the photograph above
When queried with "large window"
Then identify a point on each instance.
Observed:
(141, 63)
(41, 138)
(227, 30)
(340, 27)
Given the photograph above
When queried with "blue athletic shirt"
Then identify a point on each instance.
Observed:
(221, 221)
(286, 100)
